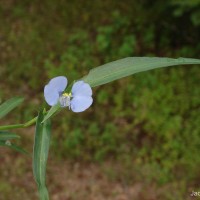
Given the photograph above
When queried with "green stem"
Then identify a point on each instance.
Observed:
(14, 126)
(7, 127)
(29, 123)
(25, 125)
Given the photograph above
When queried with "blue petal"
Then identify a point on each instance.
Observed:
(58, 83)
(80, 103)
(51, 96)
(53, 89)
(80, 88)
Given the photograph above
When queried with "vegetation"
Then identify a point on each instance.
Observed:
(149, 122)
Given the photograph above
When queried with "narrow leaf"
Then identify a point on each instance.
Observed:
(4, 135)
(7, 143)
(9, 105)
(40, 154)
(122, 68)
(53, 110)
(131, 65)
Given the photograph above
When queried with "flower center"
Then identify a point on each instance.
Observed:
(64, 99)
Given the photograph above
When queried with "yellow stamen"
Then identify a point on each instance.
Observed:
(67, 94)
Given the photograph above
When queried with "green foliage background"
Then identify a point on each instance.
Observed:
(149, 122)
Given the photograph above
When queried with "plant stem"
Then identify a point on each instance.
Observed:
(29, 123)
(14, 126)
(7, 127)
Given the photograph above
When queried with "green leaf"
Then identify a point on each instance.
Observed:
(5, 138)
(7, 143)
(131, 65)
(9, 105)
(4, 135)
(122, 68)
(40, 154)
(53, 110)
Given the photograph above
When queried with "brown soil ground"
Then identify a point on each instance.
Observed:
(77, 181)
(66, 181)
(80, 181)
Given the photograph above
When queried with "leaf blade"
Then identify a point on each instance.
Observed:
(131, 65)
(40, 154)
(122, 68)
(4, 135)
(9, 105)
(10, 145)
(53, 110)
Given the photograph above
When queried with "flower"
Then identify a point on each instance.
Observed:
(78, 100)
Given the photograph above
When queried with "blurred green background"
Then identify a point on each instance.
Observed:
(146, 124)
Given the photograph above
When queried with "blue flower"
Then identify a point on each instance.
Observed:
(78, 100)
